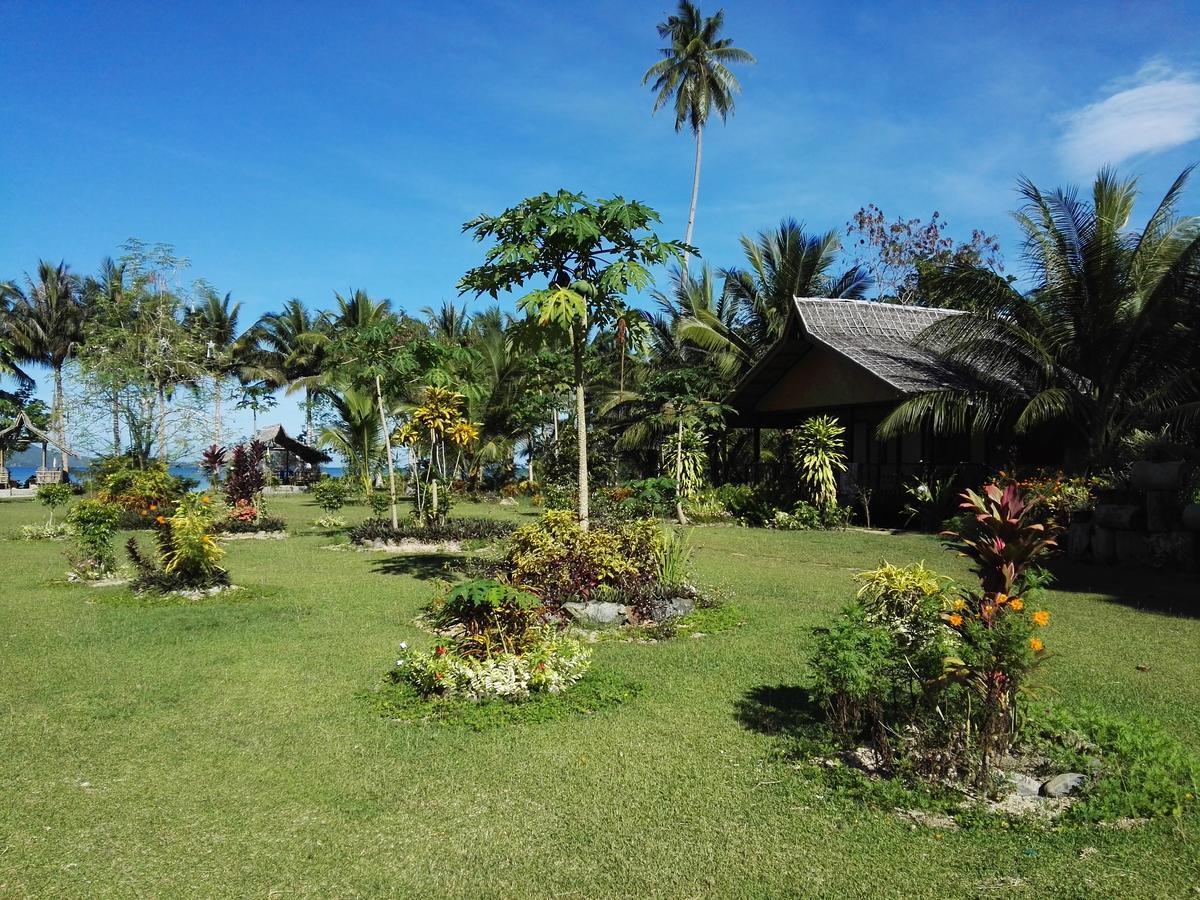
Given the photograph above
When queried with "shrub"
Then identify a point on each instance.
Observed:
(53, 496)
(551, 665)
(487, 617)
(673, 556)
(94, 524)
(188, 556)
(807, 517)
(706, 507)
(247, 520)
(379, 502)
(907, 601)
(143, 490)
(460, 529)
(330, 494)
(749, 504)
(819, 457)
(850, 663)
(246, 477)
(929, 502)
(45, 531)
(559, 561)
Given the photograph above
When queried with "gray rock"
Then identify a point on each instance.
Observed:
(1024, 785)
(598, 613)
(1158, 476)
(665, 608)
(1064, 785)
(1133, 548)
(1079, 539)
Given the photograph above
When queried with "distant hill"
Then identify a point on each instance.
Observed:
(32, 456)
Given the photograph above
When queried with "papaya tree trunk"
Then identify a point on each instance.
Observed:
(578, 336)
(679, 514)
(387, 440)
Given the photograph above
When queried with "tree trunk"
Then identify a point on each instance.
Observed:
(679, 474)
(387, 440)
(115, 400)
(308, 428)
(578, 339)
(687, 237)
(217, 409)
(529, 475)
(60, 418)
(162, 421)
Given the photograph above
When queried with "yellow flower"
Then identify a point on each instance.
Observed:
(1041, 617)
(204, 499)
(161, 520)
(1001, 599)
(1037, 645)
(956, 620)
(960, 603)
(1016, 604)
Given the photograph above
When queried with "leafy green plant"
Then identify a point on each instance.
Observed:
(674, 558)
(53, 496)
(819, 456)
(485, 615)
(906, 600)
(929, 502)
(331, 494)
(94, 525)
(188, 555)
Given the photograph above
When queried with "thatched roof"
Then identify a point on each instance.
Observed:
(879, 337)
(276, 438)
(12, 434)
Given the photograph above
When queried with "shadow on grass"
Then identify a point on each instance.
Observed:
(1153, 590)
(777, 709)
(425, 566)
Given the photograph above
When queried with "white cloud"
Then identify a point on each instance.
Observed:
(1159, 110)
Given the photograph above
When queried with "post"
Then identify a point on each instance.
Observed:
(757, 456)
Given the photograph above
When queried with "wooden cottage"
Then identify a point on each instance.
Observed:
(23, 432)
(856, 360)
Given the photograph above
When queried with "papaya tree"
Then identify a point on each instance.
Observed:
(581, 257)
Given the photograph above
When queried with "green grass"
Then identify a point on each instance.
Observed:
(225, 748)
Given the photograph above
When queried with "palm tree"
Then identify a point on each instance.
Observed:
(781, 264)
(216, 321)
(8, 351)
(356, 433)
(448, 324)
(1107, 339)
(288, 350)
(357, 310)
(694, 77)
(107, 304)
(46, 326)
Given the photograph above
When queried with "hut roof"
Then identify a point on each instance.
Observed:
(12, 434)
(275, 436)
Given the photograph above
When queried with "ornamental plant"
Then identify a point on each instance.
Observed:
(436, 435)
(94, 524)
(53, 496)
(246, 477)
(188, 554)
(819, 456)
(999, 644)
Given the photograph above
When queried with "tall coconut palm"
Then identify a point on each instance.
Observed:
(1107, 339)
(781, 264)
(694, 77)
(288, 350)
(448, 323)
(358, 310)
(9, 364)
(216, 321)
(46, 325)
(107, 305)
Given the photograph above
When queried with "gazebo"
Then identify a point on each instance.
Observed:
(12, 436)
(290, 460)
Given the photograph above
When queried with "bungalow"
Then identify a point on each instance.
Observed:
(856, 360)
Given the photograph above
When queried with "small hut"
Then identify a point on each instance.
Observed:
(290, 461)
(24, 431)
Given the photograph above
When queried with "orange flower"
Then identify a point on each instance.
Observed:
(1037, 645)
(204, 499)
(956, 620)
(1041, 617)
(1001, 599)
(153, 506)
(161, 520)
(1015, 603)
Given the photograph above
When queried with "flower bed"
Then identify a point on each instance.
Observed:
(452, 530)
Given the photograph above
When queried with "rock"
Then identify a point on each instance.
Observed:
(1133, 548)
(1024, 785)
(1191, 517)
(1064, 785)
(1079, 539)
(1158, 476)
(928, 819)
(1104, 544)
(1162, 510)
(597, 613)
(663, 608)
(508, 501)
(864, 759)
(1122, 518)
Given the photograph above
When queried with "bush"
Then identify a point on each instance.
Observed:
(807, 517)
(488, 617)
(550, 665)
(94, 524)
(461, 529)
(53, 496)
(246, 476)
(143, 490)
(45, 531)
(247, 520)
(559, 561)
(749, 504)
(188, 556)
(331, 494)
(706, 507)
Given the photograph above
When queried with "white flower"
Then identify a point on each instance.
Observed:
(404, 645)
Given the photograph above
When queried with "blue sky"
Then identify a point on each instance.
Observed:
(291, 149)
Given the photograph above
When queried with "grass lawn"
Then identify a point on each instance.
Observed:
(225, 748)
